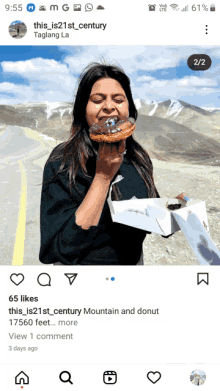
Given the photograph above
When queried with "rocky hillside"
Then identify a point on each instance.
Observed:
(171, 130)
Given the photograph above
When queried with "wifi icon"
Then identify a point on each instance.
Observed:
(174, 6)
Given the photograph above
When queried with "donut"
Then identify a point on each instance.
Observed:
(112, 129)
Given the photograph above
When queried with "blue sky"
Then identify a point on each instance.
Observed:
(50, 73)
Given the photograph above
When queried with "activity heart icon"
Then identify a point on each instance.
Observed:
(154, 376)
(17, 278)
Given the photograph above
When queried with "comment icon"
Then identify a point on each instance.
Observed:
(44, 279)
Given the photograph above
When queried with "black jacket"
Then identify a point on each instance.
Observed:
(62, 240)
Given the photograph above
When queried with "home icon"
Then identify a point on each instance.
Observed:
(22, 378)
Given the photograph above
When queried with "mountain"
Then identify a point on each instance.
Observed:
(51, 118)
(200, 120)
(171, 130)
(140, 103)
(147, 107)
(166, 140)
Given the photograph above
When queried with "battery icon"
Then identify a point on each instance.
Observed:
(212, 7)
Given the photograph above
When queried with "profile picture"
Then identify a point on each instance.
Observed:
(198, 377)
(17, 29)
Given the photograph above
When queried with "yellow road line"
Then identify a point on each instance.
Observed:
(20, 235)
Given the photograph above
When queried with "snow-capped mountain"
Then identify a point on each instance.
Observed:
(174, 109)
(168, 108)
(51, 107)
(140, 103)
(211, 108)
(196, 118)
(171, 130)
(46, 117)
(150, 106)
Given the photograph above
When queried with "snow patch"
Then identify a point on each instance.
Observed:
(211, 109)
(174, 109)
(51, 106)
(143, 103)
(58, 106)
(155, 103)
(69, 109)
(139, 103)
(46, 137)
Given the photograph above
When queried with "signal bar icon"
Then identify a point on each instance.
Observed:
(186, 8)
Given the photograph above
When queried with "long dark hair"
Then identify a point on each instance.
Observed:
(79, 147)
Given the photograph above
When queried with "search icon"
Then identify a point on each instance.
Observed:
(65, 379)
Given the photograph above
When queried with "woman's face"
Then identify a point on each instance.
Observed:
(107, 99)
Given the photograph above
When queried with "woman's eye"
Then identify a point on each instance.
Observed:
(116, 100)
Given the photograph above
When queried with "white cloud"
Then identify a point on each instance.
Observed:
(215, 53)
(25, 94)
(42, 74)
(51, 80)
(130, 58)
(48, 80)
(37, 66)
(133, 58)
(214, 72)
(196, 81)
(7, 87)
(145, 79)
(175, 89)
(179, 84)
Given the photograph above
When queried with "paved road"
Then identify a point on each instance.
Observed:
(20, 191)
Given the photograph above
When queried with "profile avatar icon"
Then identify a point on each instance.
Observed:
(198, 377)
(17, 29)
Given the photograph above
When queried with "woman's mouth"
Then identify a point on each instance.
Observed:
(113, 116)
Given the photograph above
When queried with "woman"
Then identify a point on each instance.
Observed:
(76, 225)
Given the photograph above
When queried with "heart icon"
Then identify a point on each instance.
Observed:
(154, 376)
(17, 278)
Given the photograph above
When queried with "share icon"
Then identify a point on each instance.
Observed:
(71, 277)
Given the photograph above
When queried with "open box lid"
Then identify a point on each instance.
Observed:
(133, 213)
(149, 214)
(198, 237)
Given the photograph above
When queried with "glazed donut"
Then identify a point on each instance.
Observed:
(112, 129)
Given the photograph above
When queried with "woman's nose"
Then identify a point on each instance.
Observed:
(109, 104)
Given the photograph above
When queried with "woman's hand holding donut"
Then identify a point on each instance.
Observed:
(107, 164)
(109, 160)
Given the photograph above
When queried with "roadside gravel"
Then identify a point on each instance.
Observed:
(199, 182)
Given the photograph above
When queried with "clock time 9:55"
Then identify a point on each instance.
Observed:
(14, 7)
